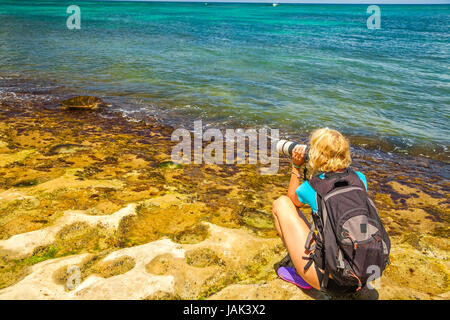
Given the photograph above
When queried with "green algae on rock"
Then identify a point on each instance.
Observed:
(204, 257)
(257, 219)
(94, 265)
(169, 165)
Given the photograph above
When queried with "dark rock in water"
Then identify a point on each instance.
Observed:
(26, 183)
(169, 165)
(40, 221)
(83, 103)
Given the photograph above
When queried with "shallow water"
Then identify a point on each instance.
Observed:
(293, 67)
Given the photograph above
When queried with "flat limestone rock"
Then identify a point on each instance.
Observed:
(24, 244)
(276, 289)
(143, 281)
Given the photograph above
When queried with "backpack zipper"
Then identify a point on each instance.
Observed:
(348, 236)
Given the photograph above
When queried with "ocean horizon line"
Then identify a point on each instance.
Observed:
(281, 2)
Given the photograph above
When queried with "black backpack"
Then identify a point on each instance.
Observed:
(350, 240)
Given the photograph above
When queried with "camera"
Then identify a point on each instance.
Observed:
(285, 147)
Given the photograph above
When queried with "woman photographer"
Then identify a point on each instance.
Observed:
(329, 152)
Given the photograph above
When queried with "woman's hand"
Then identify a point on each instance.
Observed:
(298, 155)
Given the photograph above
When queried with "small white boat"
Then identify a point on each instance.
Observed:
(274, 4)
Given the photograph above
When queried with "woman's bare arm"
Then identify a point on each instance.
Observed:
(293, 185)
(298, 158)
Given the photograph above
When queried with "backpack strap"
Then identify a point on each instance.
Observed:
(309, 263)
(310, 236)
(321, 186)
(355, 179)
(325, 278)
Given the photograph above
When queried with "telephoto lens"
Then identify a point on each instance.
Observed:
(285, 147)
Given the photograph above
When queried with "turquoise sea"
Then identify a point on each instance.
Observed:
(292, 67)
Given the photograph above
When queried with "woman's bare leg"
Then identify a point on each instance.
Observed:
(293, 230)
(277, 224)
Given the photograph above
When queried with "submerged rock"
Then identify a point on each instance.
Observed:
(83, 102)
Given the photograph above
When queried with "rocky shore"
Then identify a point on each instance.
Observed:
(93, 190)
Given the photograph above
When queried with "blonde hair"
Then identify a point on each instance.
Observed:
(329, 151)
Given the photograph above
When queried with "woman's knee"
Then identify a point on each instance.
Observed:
(281, 204)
